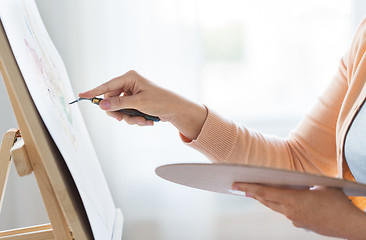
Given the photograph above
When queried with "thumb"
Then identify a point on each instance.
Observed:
(117, 103)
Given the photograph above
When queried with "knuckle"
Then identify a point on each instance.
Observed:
(132, 72)
(139, 100)
(292, 213)
(128, 119)
(107, 95)
(296, 224)
(260, 193)
(120, 101)
(112, 114)
(107, 86)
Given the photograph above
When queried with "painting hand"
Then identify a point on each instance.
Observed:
(131, 90)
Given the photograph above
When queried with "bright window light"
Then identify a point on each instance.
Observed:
(270, 59)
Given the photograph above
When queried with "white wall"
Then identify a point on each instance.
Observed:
(100, 40)
(358, 12)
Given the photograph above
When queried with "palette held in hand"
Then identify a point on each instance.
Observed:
(220, 177)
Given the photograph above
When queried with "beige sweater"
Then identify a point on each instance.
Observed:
(316, 145)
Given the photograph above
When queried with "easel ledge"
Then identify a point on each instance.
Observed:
(29, 233)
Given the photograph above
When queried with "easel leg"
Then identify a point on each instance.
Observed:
(59, 229)
(59, 224)
(7, 143)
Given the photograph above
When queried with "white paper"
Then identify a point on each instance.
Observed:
(48, 83)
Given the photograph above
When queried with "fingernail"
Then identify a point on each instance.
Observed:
(104, 104)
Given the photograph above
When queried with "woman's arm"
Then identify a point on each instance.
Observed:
(131, 90)
(310, 148)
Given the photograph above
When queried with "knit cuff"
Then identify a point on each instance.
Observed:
(216, 139)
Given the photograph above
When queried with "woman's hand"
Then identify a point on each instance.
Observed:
(326, 211)
(131, 90)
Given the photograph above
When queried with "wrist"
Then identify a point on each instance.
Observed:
(189, 118)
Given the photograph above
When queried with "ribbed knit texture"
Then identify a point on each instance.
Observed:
(217, 138)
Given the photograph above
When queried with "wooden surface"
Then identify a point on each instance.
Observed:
(20, 158)
(58, 190)
(6, 144)
(40, 232)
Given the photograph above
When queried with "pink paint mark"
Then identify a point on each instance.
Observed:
(36, 59)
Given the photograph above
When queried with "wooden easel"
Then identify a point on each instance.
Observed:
(34, 150)
(12, 146)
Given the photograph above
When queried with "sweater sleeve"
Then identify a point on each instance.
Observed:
(311, 147)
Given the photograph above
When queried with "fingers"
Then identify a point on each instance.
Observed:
(117, 115)
(113, 93)
(267, 193)
(112, 106)
(277, 199)
(117, 103)
(129, 91)
(124, 82)
(110, 86)
(140, 121)
(275, 206)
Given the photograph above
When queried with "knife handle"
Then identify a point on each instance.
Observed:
(137, 113)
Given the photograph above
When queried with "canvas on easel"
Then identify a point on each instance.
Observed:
(53, 132)
(67, 215)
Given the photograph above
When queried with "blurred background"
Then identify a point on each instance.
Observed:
(261, 63)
